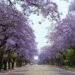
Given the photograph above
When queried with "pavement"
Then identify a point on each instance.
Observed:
(38, 70)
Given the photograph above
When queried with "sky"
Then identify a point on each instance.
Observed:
(40, 30)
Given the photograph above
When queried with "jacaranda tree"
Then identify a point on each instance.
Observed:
(15, 35)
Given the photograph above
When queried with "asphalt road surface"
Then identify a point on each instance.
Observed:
(38, 70)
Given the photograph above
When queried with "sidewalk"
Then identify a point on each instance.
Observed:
(7, 71)
(68, 71)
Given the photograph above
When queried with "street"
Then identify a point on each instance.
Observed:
(38, 70)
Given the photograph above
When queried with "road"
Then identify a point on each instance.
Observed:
(38, 70)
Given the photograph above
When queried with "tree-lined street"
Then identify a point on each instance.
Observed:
(37, 32)
(38, 70)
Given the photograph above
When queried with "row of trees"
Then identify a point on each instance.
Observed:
(62, 51)
(17, 40)
(16, 36)
(15, 33)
